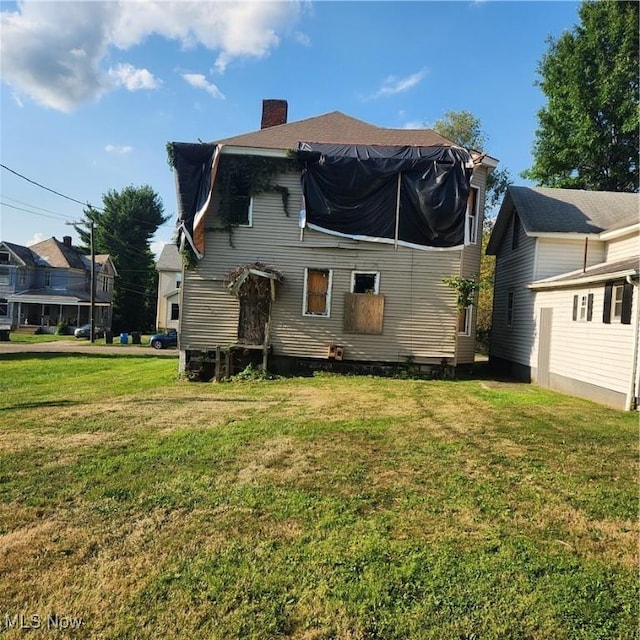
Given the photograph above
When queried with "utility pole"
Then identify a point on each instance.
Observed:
(92, 286)
(92, 296)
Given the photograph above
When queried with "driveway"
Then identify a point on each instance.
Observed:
(83, 346)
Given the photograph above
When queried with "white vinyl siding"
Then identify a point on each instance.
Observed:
(592, 352)
(514, 271)
(626, 247)
(554, 256)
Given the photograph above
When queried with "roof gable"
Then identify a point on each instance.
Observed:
(22, 253)
(169, 259)
(545, 210)
(57, 254)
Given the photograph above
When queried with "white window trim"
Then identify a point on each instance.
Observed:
(376, 289)
(471, 222)
(616, 318)
(583, 302)
(249, 215)
(305, 313)
(467, 321)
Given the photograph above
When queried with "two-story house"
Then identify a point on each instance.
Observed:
(339, 257)
(566, 307)
(50, 283)
(169, 268)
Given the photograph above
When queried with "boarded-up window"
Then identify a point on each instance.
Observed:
(317, 292)
(363, 313)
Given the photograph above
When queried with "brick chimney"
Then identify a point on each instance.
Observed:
(66, 240)
(274, 112)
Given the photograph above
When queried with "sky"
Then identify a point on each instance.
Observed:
(91, 92)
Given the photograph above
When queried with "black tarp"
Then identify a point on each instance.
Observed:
(192, 163)
(415, 196)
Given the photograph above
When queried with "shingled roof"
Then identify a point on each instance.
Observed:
(548, 210)
(58, 254)
(334, 127)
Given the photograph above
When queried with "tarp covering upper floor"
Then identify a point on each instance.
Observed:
(408, 195)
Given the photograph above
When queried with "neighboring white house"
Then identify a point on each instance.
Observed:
(169, 267)
(566, 310)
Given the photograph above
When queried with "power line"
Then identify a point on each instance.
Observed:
(62, 195)
(35, 213)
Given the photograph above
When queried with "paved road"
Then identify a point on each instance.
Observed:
(83, 346)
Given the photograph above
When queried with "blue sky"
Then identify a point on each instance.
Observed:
(92, 91)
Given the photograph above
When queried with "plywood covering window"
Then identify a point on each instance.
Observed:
(364, 306)
(317, 292)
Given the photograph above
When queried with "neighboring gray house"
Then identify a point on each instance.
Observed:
(169, 267)
(50, 282)
(329, 293)
(565, 311)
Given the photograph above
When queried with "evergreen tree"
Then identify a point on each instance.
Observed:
(588, 131)
(123, 228)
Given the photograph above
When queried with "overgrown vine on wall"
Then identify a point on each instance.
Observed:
(238, 177)
(465, 289)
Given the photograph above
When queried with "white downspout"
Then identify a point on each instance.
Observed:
(634, 385)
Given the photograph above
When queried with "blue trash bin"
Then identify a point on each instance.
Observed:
(124, 338)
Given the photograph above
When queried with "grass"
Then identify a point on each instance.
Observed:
(318, 508)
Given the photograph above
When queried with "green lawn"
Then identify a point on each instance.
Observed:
(317, 508)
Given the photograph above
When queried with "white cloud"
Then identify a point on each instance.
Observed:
(414, 124)
(302, 38)
(393, 85)
(37, 237)
(199, 81)
(112, 148)
(54, 52)
(133, 79)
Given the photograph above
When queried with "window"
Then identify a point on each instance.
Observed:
(4, 257)
(178, 283)
(4, 307)
(47, 278)
(583, 307)
(365, 282)
(510, 304)
(175, 311)
(4, 276)
(472, 216)
(515, 238)
(317, 292)
(464, 321)
(364, 306)
(240, 202)
(22, 277)
(618, 298)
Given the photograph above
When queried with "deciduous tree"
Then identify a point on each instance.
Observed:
(587, 136)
